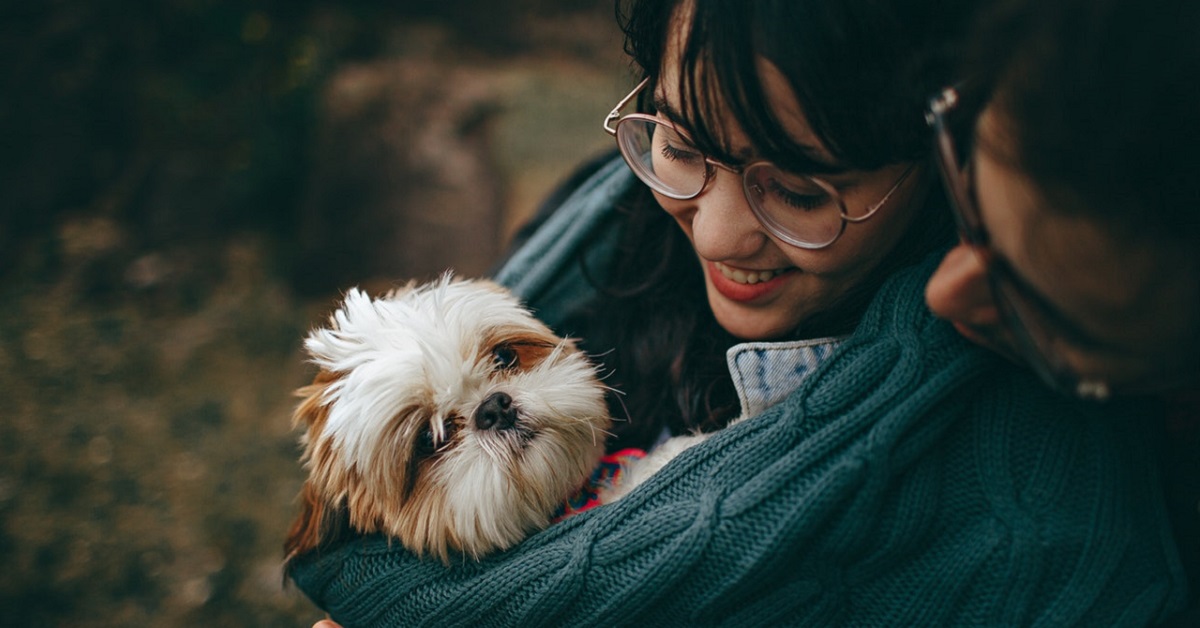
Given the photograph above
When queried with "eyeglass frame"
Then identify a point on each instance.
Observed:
(771, 224)
(1007, 288)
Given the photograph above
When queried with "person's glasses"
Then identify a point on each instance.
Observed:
(800, 210)
(1021, 309)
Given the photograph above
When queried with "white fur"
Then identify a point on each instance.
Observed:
(426, 347)
(425, 337)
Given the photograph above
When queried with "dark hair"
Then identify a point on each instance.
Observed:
(1100, 104)
(862, 70)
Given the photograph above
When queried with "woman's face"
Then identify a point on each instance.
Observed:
(1114, 309)
(759, 287)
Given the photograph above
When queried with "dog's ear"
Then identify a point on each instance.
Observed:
(312, 411)
(305, 532)
(347, 331)
(318, 525)
(319, 522)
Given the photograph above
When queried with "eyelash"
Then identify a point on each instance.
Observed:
(803, 202)
(806, 202)
(674, 154)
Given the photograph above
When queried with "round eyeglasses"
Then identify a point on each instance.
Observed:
(803, 211)
(1022, 310)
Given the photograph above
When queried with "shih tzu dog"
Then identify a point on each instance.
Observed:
(444, 415)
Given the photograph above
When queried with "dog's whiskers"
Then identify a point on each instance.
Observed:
(588, 421)
(403, 379)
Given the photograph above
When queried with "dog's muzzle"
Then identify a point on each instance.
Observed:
(496, 412)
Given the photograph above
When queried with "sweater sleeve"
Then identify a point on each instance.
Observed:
(550, 269)
(912, 480)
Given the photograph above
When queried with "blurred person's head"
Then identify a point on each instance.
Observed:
(1072, 149)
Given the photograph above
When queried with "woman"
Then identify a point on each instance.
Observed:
(1081, 209)
(891, 473)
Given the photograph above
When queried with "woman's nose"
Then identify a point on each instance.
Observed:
(723, 225)
(959, 291)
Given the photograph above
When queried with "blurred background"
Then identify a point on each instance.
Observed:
(186, 186)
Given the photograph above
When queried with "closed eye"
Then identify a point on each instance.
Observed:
(674, 153)
(794, 199)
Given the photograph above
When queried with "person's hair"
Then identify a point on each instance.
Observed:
(862, 71)
(1099, 102)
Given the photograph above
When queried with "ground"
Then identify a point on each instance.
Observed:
(197, 184)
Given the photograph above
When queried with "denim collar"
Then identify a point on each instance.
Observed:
(764, 373)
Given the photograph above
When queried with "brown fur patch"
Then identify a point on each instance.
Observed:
(395, 488)
(532, 347)
(369, 496)
(319, 523)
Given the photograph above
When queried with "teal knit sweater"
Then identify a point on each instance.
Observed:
(912, 480)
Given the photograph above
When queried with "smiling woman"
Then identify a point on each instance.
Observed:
(759, 249)
(803, 212)
(795, 213)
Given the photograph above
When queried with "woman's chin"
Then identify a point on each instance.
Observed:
(750, 324)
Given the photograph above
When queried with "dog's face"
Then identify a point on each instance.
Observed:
(447, 416)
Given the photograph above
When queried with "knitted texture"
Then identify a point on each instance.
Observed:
(912, 479)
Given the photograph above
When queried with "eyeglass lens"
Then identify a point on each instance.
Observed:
(800, 209)
(953, 151)
(661, 158)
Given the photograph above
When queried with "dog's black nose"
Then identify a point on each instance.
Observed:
(496, 411)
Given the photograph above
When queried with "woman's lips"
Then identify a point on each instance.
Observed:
(741, 285)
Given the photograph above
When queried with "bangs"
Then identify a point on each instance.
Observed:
(720, 78)
(861, 74)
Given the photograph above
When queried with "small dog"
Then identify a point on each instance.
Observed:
(444, 415)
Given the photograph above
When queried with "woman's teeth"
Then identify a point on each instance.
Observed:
(747, 276)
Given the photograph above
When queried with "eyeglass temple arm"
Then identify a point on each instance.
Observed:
(883, 201)
(952, 177)
(615, 114)
(940, 104)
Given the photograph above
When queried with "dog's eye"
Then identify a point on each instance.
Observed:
(506, 357)
(425, 445)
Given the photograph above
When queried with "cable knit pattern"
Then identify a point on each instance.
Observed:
(912, 479)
